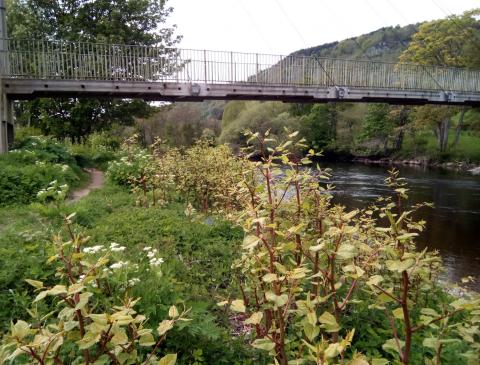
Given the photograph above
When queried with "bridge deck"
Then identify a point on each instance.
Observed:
(31, 69)
(171, 91)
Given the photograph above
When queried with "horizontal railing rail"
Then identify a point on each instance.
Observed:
(63, 60)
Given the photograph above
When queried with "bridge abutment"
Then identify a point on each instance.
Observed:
(6, 107)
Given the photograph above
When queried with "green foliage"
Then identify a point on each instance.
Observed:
(261, 116)
(31, 167)
(384, 44)
(319, 126)
(307, 266)
(180, 125)
(136, 22)
(87, 324)
(451, 42)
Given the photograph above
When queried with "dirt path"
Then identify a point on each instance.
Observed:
(97, 179)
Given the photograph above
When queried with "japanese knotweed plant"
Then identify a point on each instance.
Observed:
(405, 279)
(208, 175)
(86, 324)
(307, 265)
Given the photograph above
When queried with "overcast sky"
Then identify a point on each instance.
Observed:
(284, 26)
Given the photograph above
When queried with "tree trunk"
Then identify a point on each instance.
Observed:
(442, 134)
(458, 130)
(399, 140)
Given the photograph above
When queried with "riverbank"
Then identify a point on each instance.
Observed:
(460, 166)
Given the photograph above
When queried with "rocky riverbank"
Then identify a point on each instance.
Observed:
(421, 162)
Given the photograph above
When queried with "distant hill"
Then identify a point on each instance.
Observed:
(385, 44)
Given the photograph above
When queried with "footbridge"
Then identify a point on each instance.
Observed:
(40, 68)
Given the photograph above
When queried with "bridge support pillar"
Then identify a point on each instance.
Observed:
(6, 123)
(6, 110)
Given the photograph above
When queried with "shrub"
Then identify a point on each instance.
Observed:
(32, 167)
(87, 324)
(311, 271)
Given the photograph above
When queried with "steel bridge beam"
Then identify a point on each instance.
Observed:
(24, 89)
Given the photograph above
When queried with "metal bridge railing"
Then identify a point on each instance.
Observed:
(28, 59)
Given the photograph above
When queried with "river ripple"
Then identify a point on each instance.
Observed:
(453, 225)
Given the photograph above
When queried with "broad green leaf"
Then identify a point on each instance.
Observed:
(255, 318)
(333, 350)
(173, 312)
(399, 265)
(58, 289)
(169, 359)
(164, 326)
(350, 215)
(119, 337)
(406, 236)
(263, 344)
(316, 248)
(20, 329)
(268, 278)
(429, 312)
(250, 242)
(238, 306)
(312, 318)
(346, 251)
(88, 340)
(329, 322)
(83, 300)
(391, 344)
(41, 296)
(147, 340)
(101, 319)
(75, 288)
(379, 361)
(311, 331)
(278, 300)
(375, 280)
(431, 342)
(36, 284)
(398, 313)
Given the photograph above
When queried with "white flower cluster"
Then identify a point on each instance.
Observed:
(133, 281)
(153, 260)
(119, 265)
(94, 249)
(115, 247)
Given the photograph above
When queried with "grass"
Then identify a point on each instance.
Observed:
(198, 255)
(425, 145)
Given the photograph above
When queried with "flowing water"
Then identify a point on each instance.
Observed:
(453, 225)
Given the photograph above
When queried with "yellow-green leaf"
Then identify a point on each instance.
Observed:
(398, 313)
(164, 326)
(255, 318)
(36, 284)
(173, 312)
(263, 344)
(169, 359)
(238, 306)
(329, 322)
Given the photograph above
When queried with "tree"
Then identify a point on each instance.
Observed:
(438, 118)
(138, 22)
(377, 124)
(400, 117)
(319, 126)
(454, 41)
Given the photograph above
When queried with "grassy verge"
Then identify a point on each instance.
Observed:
(425, 145)
(197, 254)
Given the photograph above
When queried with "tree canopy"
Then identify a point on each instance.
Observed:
(139, 22)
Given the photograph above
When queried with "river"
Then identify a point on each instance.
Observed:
(453, 225)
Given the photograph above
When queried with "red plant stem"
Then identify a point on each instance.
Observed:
(406, 318)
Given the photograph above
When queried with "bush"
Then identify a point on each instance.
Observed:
(30, 168)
